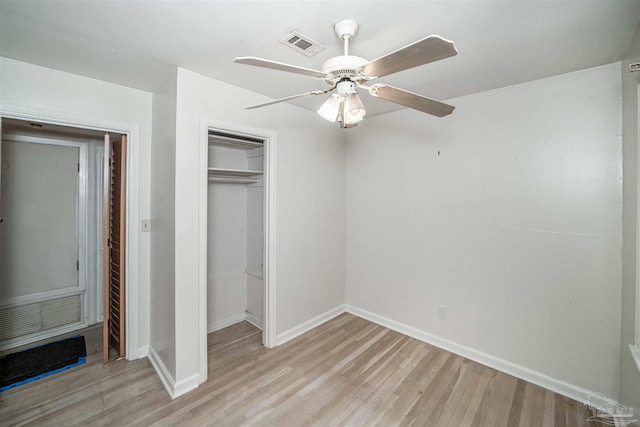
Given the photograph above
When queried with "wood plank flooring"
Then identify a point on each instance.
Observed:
(346, 372)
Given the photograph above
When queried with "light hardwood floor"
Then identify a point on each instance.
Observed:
(346, 372)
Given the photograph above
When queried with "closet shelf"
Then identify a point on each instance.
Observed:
(229, 180)
(234, 142)
(234, 176)
(233, 173)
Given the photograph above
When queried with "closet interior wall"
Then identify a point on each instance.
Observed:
(235, 238)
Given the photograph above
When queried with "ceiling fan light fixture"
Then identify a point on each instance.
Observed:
(330, 109)
(354, 110)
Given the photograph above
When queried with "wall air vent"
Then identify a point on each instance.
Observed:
(21, 321)
(302, 44)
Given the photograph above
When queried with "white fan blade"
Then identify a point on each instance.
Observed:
(429, 49)
(315, 92)
(265, 63)
(411, 100)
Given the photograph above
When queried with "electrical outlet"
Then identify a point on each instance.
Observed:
(442, 311)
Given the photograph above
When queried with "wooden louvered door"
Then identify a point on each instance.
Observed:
(114, 245)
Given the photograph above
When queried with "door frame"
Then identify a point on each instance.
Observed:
(269, 202)
(11, 111)
(637, 307)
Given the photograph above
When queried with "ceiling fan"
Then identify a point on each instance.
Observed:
(346, 72)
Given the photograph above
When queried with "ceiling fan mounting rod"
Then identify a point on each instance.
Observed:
(346, 29)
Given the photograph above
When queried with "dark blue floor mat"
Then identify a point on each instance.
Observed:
(39, 362)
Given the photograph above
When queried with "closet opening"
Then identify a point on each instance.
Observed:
(52, 182)
(235, 230)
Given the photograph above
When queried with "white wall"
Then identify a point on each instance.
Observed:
(508, 212)
(226, 252)
(32, 91)
(162, 255)
(310, 206)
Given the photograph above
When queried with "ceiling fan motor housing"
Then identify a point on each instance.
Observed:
(341, 67)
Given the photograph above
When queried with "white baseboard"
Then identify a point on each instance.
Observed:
(163, 373)
(143, 351)
(309, 324)
(253, 320)
(174, 388)
(635, 353)
(186, 385)
(221, 324)
(569, 390)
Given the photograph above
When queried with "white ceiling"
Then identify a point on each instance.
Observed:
(500, 43)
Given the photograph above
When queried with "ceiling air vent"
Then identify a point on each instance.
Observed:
(302, 44)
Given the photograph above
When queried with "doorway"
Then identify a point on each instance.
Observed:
(237, 170)
(235, 238)
(51, 181)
